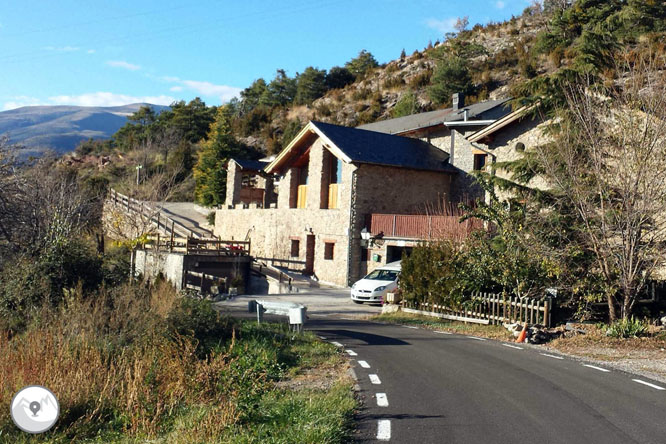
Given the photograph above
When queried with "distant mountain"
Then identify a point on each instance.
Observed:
(61, 128)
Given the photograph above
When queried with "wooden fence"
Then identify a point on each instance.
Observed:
(414, 226)
(488, 308)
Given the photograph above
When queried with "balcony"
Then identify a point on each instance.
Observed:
(421, 227)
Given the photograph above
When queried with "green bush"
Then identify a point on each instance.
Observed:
(628, 328)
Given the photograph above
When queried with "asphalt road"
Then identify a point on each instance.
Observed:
(440, 388)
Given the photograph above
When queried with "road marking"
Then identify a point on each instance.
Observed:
(551, 356)
(364, 364)
(442, 332)
(478, 339)
(382, 400)
(605, 370)
(374, 379)
(648, 384)
(337, 344)
(351, 353)
(384, 429)
(513, 346)
(322, 337)
(410, 326)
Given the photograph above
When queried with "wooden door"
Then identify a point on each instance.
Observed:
(309, 254)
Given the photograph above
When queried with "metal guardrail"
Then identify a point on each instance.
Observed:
(295, 312)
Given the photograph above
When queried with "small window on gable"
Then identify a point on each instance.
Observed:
(329, 248)
(295, 247)
(479, 161)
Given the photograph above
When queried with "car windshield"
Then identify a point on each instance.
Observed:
(383, 275)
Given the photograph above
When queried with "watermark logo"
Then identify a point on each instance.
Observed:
(35, 409)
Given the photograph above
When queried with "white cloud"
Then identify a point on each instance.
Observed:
(62, 48)
(176, 88)
(500, 4)
(108, 99)
(19, 101)
(443, 26)
(91, 51)
(224, 92)
(123, 64)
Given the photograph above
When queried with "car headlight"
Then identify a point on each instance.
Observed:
(382, 288)
(354, 286)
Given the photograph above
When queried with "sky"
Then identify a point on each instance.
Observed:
(115, 52)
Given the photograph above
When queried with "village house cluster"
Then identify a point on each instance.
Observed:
(338, 202)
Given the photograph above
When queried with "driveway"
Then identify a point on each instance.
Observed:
(324, 302)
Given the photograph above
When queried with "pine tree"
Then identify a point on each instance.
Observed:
(210, 172)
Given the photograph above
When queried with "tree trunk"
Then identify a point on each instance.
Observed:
(612, 311)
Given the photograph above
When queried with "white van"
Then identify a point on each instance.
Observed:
(375, 285)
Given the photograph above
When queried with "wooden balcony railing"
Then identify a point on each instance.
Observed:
(411, 226)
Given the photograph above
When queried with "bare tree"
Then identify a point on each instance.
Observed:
(608, 166)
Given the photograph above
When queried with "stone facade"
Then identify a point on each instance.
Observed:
(275, 232)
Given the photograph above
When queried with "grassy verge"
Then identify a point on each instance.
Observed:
(486, 331)
(143, 365)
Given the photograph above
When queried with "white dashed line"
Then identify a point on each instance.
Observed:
(443, 332)
(605, 370)
(478, 339)
(351, 353)
(382, 400)
(337, 344)
(374, 379)
(384, 429)
(364, 364)
(513, 346)
(648, 384)
(410, 326)
(322, 337)
(551, 356)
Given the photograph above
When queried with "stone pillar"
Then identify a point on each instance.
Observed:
(288, 188)
(269, 192)
(234, 183)
(315, 176)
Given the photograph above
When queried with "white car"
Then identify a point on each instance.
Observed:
(375, 285)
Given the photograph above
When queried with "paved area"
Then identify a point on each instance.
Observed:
(421, 386)
(189, 214)
(321, 302)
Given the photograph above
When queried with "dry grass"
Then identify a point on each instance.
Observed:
(115, 364)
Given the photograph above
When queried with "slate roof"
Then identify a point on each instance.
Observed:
(477, 111)
(251, 165)
(372, 147)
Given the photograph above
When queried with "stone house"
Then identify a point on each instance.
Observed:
(350, 199)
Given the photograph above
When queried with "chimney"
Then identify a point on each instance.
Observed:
(458, 101)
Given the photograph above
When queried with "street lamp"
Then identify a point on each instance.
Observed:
(138, 170)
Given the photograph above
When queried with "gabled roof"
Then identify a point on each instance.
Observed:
(501, 123)
(418, 121)
(359, 146)
(251, 165)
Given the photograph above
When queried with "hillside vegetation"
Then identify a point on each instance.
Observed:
(526, 58)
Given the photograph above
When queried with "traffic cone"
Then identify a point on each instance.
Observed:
(523, 334)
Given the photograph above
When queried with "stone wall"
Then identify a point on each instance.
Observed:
(170, 265)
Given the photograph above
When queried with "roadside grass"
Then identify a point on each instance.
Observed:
(143, 365)
(486, 331)
(595, 342)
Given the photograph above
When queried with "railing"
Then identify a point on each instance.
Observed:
(421, 226)
(152, 215)
(211, 247)
(488, 308)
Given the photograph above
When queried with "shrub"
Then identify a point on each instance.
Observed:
(421, 79)
(428, 274)
(628, 328)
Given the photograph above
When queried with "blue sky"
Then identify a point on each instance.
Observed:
(112, 52)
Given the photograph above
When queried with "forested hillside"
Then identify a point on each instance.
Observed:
(526, 58)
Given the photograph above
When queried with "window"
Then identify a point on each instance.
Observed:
(479, 161)
(328, 250)
(295, 247)
(330, 181)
